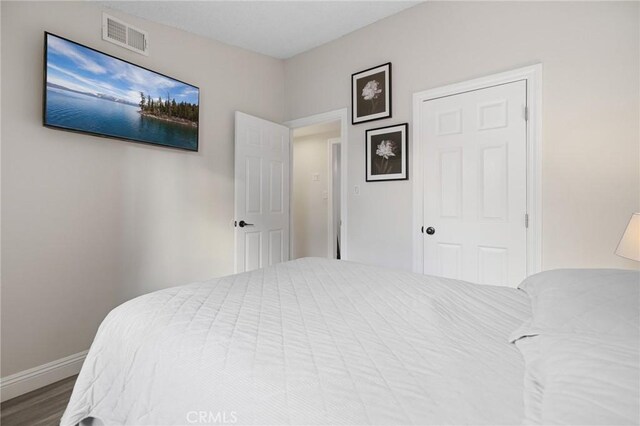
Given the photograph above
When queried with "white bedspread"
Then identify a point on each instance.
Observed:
(312, 341)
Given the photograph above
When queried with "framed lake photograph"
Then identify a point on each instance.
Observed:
(386, 153)
(371, 94)
(88, 91)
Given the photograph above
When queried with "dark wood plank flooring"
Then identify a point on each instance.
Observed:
(42, 407)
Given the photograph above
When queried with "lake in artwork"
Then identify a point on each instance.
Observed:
(91, 92)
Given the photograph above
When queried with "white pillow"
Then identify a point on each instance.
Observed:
(593, 301)
(582, 347)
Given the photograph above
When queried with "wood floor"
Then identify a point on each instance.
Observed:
(42, 407)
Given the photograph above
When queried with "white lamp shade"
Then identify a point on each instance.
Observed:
(629, 246)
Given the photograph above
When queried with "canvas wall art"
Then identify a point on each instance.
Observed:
(91, 92)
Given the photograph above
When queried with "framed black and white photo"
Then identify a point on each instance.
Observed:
(371, 94)
(386, 153)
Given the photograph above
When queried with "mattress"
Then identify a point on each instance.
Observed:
(310, 341)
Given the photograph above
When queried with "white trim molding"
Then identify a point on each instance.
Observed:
(533, 76)
(34, 378)
(341, 115)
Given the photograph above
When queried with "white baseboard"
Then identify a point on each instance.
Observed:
(34, 378)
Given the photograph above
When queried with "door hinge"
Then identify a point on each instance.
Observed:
(526, 220)
(526, 113)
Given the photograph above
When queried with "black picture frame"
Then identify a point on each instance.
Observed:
(376, 104)
(387, 153)
(51, 125)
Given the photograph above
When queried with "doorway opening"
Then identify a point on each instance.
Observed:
(316, 175)
(323, 234)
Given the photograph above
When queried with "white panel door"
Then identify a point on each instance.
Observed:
(261, 193)
(475, 188)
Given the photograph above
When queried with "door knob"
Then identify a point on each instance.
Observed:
(242, 224)
(431, 230)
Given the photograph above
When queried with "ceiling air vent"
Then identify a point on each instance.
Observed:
(124, 35)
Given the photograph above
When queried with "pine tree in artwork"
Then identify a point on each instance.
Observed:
(169, 109)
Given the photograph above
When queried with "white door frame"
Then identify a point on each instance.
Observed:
(343, 116)
(533, 76)
(330, 235)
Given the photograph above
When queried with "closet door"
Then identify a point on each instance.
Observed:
(475, 188)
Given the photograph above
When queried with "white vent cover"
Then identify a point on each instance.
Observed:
(124, 35)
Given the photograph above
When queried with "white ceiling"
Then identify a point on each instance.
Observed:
(280, 29)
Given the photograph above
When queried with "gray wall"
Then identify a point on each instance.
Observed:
(590, 55)
(88, 223)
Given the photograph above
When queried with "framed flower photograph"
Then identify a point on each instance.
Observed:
(386, 153)
(371, 94)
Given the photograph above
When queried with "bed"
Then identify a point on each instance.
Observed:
(318, 341)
